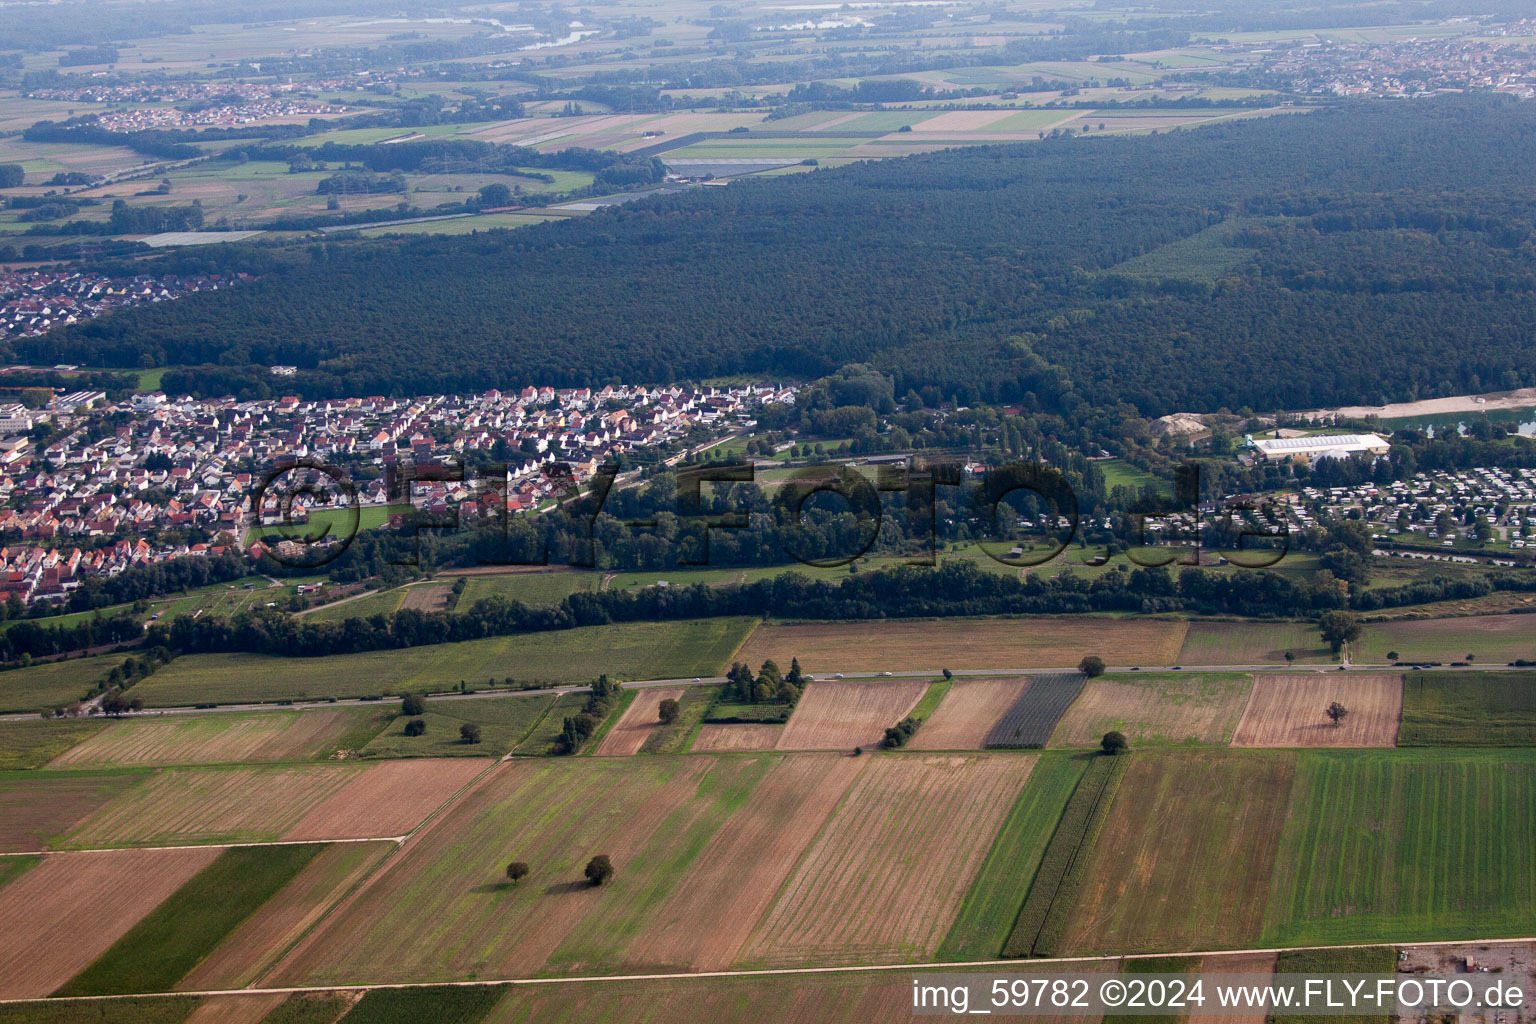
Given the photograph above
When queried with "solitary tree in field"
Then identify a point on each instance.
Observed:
(599, 869)
(415, 727)
(413, 704)
(1391, 655)
(667, 710)
(1336, 712)
(948, 674)
(1289, 657)
(516, 871)
(469, 732)
(1471, 658)
(1114, 743)
(1338, 628)
(1091, 666)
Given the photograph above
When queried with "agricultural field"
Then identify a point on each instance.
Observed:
(77, 906)
(1468, 709)
(53, 683)
(1031, 719)
(1252, 643)
(674, 738)
(931, 645)
(168, 942)
(533, 588)
(650, 650)
(504, 721)
(968, 713)
(252, 946)
(225, 738)
(1156, 709)
(990, 909)
(891, 868)
(712, 738)
(32, 744)
(1217, 818)
(1403, 845)
(544, 735)
(1288, 710)
(639, 720)
(838, 714)
(247, 804)
(381, 603)
(1488, 638)
(36, 808)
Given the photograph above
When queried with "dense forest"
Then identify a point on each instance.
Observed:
(1375, 251)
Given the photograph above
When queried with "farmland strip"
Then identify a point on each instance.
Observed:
(1033, 717)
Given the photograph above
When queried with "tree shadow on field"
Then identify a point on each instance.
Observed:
(561, 888)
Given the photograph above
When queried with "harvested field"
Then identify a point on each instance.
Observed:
(1241, 963)
(743, 867)
(843, 714)
(933, 644)
(960, 121)
(1495, 638)
(888, 872)
(1033, 716)
(1155, 709)
(1186, 854)
(386, 799)
(637, 723)
(77, 905)
(1252, 643)
(712, 738)
(968, 713)
(35, 810)
(429, 597)
(211, 805)
(443, 910)
(253, 946)
(237, 1009)
(214, 739)
(1287, 710)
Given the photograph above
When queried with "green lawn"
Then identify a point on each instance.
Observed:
(641, 650)
(54, 683)
(160, 950)
(504, 723)
(992, 905)
(1404, 845)
(1468, 709)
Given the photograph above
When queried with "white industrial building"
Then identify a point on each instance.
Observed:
(1333, 445)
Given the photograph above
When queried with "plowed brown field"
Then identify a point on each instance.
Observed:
(387, 799)
(967, 714)
(886, 875)
(743, 866)
(76, 905)
(629, 733)
(932, 644)
(241, 1009)
(33, 811)
(736, 737)
(843, 714)
(1287, 710)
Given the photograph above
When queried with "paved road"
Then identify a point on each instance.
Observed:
(312, 705)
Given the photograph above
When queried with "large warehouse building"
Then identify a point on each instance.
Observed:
(1277, 448)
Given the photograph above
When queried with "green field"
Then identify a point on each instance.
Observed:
(990, 908)
(385, 602)
(1404, 845)
(160, 950)
(504, 723)
(1468, 709)
(533, 588)
(538, 742)
(148, 1010)
(674, 737)
(56, 682)
(1252, 643)
(441, 1005)
(11, 867)
(1489, 638)
(34, 744)
(647, 650)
